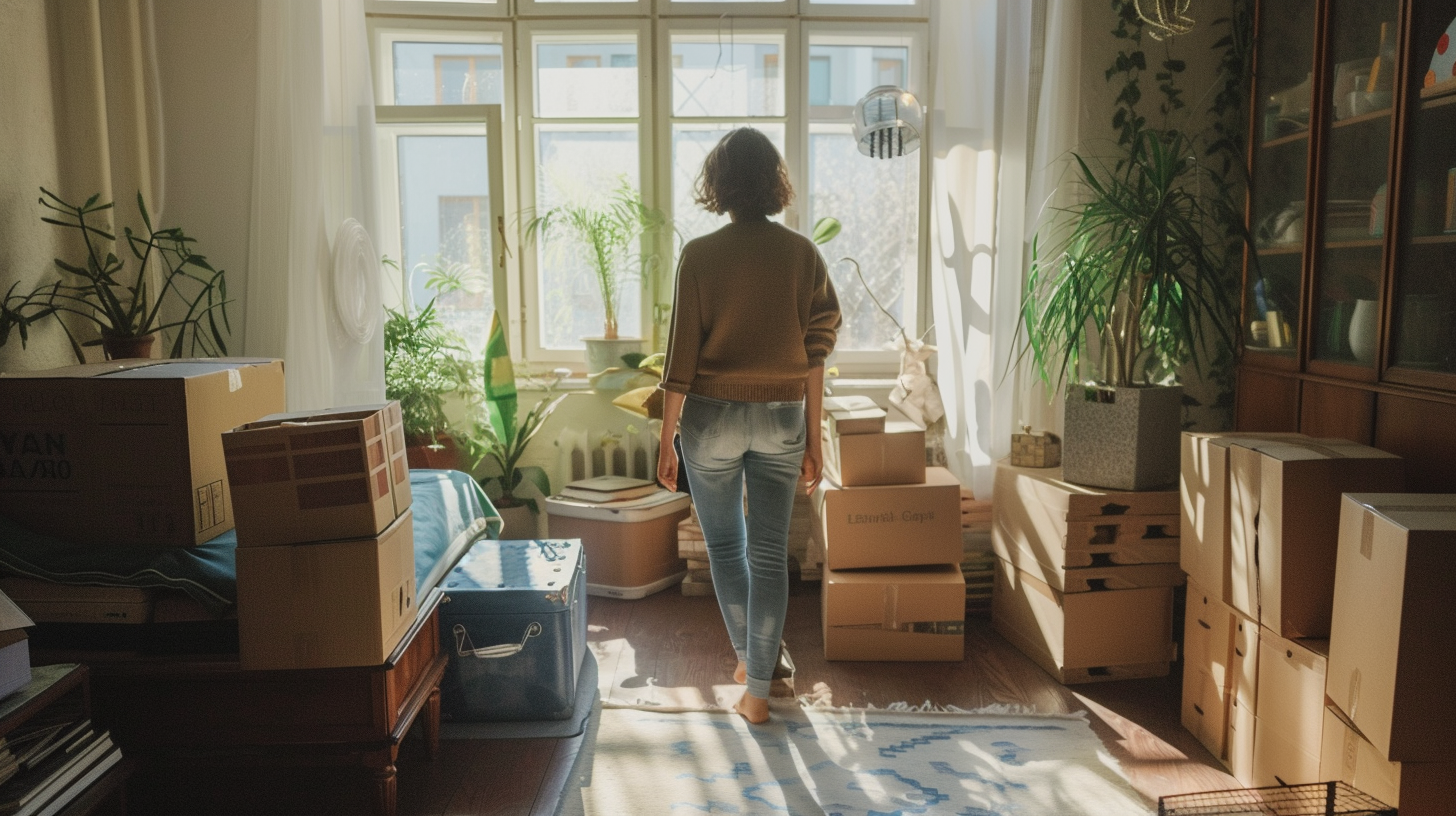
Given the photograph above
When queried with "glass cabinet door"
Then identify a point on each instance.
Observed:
(1422, 333)
(1283, 80)
(1353, 187)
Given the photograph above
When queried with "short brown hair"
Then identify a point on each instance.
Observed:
(745, 175)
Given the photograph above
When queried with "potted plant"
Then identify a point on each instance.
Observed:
(127, 314)
(425, 364)
(1140, 284)
(502, 441)
(612, 232)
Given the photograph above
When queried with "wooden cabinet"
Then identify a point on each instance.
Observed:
(1349, 291)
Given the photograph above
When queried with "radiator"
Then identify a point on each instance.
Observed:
(582, 453)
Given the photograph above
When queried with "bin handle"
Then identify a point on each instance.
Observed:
(464, 648)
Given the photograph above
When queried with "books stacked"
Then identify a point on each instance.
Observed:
(607, 489)
(47, 764)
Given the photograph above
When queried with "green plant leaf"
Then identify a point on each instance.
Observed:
(825, 229)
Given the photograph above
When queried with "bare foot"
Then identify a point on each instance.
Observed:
(740, 674)
(753, 709)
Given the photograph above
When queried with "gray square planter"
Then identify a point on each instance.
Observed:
(1122, 438)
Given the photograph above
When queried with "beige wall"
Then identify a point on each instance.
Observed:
(28, 160)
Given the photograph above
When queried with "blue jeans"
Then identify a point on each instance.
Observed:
(727, 446)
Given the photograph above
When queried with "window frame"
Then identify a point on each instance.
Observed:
(918, 10)
(403, 9)
(531, 347)
(542, 9)
(916, 37)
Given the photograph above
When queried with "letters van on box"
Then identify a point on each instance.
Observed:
(326, 604)
(892, 525)
(906, 613)
(128, 452)
(319, 475)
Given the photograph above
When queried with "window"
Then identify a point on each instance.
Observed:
(587, 114)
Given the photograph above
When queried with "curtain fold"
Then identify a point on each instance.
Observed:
(1005, 88)
(313, 277)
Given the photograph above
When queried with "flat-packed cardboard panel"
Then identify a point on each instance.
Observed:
(911, 614)
(327, 604)
(1290, 709)
(1058, 501)
(1086, 571)
(891, 457)
(1086, 630)
(891, 526)
(630, 546)
(1417, 788)
(1287, 496)
(128, 452)
(1393, 636)
(1205, 504)
(852, 415)
(316, 476)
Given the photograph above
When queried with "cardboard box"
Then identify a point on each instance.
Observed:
(50, 602)
(1393, 637)
(1417, 788)
(14, 647)
(891, 457)
(1207, 674)
(909, 614)
(1085, 636)
(1240, 751)
(326, 604)
(1286, 499)
(631, 546)
(852, 415)
(128, 452)
(1204, 514)
(1051, 529)
(891, 526)
(317, 476)
(1290, 711)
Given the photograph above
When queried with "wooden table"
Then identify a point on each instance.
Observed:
(207, 707)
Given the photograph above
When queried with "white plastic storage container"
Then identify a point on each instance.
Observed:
(631, 546)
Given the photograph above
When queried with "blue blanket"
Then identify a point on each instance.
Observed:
(450, 513)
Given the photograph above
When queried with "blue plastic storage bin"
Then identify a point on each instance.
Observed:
(514, 620)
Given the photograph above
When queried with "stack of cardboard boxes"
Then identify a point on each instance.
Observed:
(1085, 575)
(891, 532)
(1260, 526)
(325, 558)
(1387, 719)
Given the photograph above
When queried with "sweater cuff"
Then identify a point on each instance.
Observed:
(677, 388)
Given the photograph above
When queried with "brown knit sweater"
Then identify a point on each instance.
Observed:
(754, 311)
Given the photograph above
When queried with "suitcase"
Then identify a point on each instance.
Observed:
(514, 619)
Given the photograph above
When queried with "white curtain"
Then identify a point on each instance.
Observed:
(1005, 88)
(314, 279)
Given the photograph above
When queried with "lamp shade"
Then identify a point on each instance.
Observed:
(888, 122)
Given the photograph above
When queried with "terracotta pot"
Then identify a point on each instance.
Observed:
(444, 454)
(126, 347)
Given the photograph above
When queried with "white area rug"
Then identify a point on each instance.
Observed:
(845, 763)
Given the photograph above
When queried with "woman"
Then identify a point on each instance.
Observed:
(754, 318)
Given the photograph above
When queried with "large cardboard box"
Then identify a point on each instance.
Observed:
(1417, 788)
(326, 604)
(852, 415)
(1286, 497)
(893, 456)
(1290, 712)
(128, 452)
(1393, 638)
(1049, 528)
(891, 526)
(630, 546)
(906, 613)
(1085, 636)
(1240, 749)
(1243, 697)
(316, 476)
(1207, 675)
(1204, 508)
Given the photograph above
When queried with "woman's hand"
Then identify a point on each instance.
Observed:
(667, 467)
(813, 468)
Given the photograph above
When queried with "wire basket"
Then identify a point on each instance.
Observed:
(1318, 799)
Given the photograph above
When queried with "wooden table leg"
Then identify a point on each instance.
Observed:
(432, 725)
(382, 770)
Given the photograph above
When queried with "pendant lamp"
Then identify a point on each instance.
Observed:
(888, 122)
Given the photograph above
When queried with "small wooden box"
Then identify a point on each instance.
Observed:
(1035, 450)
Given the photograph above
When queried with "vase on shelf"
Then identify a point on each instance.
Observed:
(1364, 330)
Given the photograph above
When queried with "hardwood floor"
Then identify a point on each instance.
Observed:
(676, 645)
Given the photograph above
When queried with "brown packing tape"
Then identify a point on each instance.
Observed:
(334, 437)
(317, 495)
(330, 463)
(243, 472)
